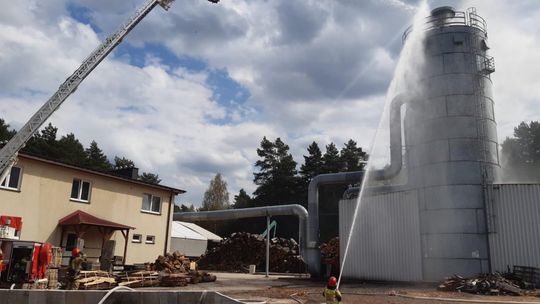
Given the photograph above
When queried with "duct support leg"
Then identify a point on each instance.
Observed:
(267, 245)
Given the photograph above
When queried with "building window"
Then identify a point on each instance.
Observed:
(13, 179)
(150, 239)
(80, 190)
(151, 203)
(136, 238)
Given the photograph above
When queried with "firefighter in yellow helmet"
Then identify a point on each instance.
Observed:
(331, 293)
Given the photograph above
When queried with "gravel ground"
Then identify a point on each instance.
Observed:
(278, 290)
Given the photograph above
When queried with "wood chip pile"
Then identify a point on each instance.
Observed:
(242, 249)
(330, 251)
(487, 284)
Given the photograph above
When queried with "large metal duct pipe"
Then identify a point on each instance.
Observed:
(234, 214)
(396, 144)
(313, 255)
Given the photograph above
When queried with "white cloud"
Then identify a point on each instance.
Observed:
(314, 72)
(514, 38)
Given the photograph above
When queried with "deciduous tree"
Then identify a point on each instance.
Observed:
(216, 196)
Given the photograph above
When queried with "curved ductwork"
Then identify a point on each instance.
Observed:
(234, 214)
(396, 144)
(313, 252)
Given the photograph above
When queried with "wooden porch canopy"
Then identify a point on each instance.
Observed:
(81, 222)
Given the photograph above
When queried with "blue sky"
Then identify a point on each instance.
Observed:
(193, 90)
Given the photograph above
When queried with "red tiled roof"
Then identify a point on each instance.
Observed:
(82, 218)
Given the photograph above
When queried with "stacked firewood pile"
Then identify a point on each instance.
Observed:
(171, 270)
(135, 279)
(174, 280)
(487, 284)
(96, 280)
(285, 256)
(330, 251)
(242, 249)
(175, 269)
(172, 263)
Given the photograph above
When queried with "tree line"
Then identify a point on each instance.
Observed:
(68, 149)
(279, 182)
(520, 155)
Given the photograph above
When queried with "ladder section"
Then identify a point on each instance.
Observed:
(9, 151)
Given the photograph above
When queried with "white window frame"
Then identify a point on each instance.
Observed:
(7, 180)
(151, 241)
(79, 194)
(151, 198)
(136, 238)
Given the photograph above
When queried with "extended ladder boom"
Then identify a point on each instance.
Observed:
(9, 152)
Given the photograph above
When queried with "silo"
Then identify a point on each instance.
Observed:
(451, 143)
(451, 153)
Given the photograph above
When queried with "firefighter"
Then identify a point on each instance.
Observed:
(75, 264)
(331, 293)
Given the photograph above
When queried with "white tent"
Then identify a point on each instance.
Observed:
(200, 230)
(190, 239)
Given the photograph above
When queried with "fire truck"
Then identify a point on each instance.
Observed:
(20, 261)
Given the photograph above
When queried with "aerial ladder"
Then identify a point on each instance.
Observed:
(8, 154)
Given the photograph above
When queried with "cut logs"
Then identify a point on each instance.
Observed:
(170, 270)
(174, 262)
(330, 251)
(138, 279)
(242, 249)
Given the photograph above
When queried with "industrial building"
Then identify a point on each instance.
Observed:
(70, 206)
(439, 207)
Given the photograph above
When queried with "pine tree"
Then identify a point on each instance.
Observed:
(184, 208)
(96, 159)
(48, 134)
(331, 159)
(44, 144)
(5, 132)
(216, 196)
(276, 180)
(123, 162)
(71, 150)
(267, 164)
(150, 178)
(313, 163)
(242, 200)
(520, 155)
(352, 157)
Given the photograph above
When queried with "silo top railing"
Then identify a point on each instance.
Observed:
(468, 18)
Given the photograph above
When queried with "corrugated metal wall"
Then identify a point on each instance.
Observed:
(514, 225)
(385, 244)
